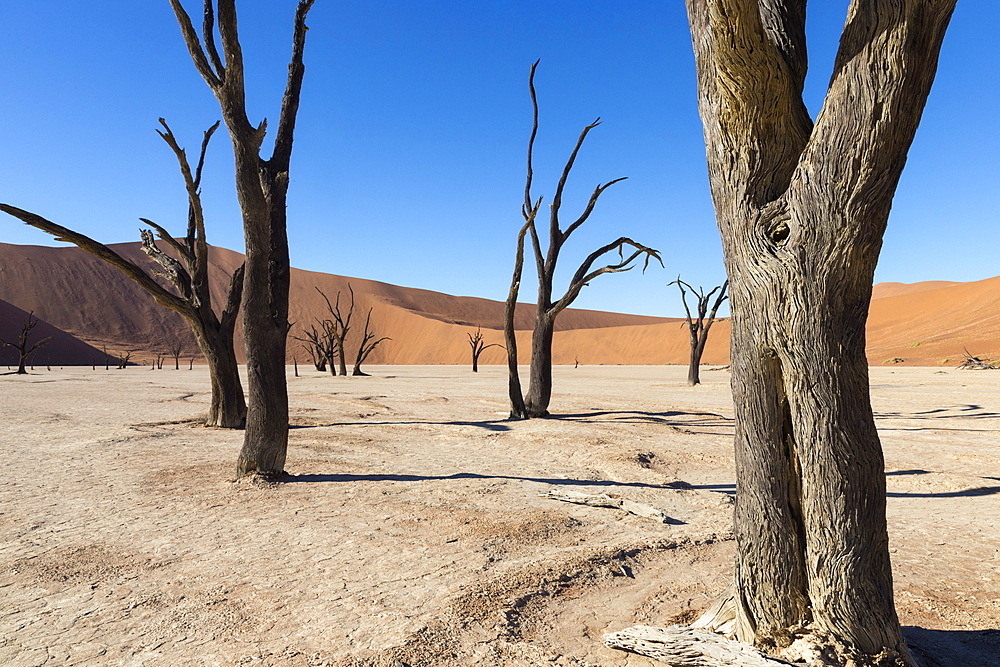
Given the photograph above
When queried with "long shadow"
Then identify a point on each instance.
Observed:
(498, 425)
(341, 477)
(951, 648)
(966, 493)
(703, 419)
(942, 413)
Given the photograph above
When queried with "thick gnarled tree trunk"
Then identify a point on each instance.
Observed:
(802, 210)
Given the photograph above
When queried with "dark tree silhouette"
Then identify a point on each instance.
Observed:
(187, 271)
(336, 328)
(175, 352)
(478, 346)
(698, 327)
(315, 342)
(536, 403)
(262, 187)
(802, 207)
(369, 341)
(25, 348)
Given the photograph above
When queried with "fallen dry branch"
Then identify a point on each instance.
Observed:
(601, 500)
(977, 364)
(683, 646)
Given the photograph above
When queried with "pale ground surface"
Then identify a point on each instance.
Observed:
(413, 532)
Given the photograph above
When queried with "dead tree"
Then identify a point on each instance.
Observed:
(802, 207)
(175, 352)
(23, 347)
(123, 359)
(478, 346)
(261, 187)
(540, 383)
(369, 341)
(316, 344)
(336, 329)
(187, 271)
(698, 328)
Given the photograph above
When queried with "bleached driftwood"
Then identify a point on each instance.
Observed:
(683, 646)
(613, 502)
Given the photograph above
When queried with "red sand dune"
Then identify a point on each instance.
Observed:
(923, 323)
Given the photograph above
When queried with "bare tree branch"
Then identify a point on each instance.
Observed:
(194, 45)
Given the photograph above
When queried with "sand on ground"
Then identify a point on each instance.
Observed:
(412, 531)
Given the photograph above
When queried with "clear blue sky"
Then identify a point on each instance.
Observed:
(408, 164)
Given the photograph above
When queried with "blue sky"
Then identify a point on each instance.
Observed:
(408, 164)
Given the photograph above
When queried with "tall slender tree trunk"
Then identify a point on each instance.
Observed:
(265, 317)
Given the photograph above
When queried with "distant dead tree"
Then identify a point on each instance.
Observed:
(23, 347)
(262, 188)
(107, 357)
(369, 341)
(123, 359)
(191, 364)
(336, 329)
(478, 346)
(188, 275)
(540, 384)
(315, 343)
(175, 352)
(975, 363)
(698, 327)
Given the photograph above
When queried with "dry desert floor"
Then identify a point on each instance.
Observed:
(413, 529)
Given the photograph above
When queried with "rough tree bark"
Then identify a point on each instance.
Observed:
(189, 275)
(369, 342)
(698, 328)
(261, 187)
(478, 346)
(24, 350)
(540, 383)
(802, 210)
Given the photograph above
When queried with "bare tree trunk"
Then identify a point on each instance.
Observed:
(261, 188)
(228, 408)
(694, 364)
(540, 384)
(802, 211)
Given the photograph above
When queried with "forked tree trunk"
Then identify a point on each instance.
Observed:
(261, 188)
(801, 211)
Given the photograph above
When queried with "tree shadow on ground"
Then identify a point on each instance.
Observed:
(703, 419)
(964, 493)
(395, 477)
(967, 411)
(951, 648)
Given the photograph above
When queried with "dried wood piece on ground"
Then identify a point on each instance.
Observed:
(683, 646)
(602, 500)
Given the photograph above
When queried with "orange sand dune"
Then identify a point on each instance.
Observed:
(922, 324)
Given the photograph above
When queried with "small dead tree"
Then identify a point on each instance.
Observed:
(314, 341)
(123, 359)
(540, 384)
(336, 329)
(189, 277)
(478, 347)
(369, 341)
(23, 347)
(698, 327)
(175, 352)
